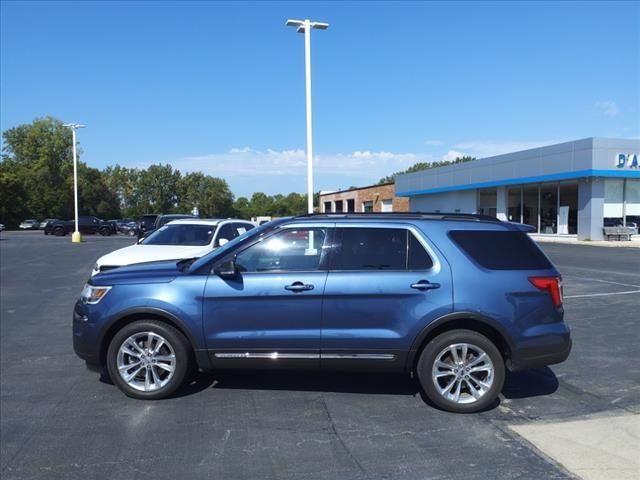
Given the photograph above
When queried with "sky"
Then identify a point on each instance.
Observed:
(219, 87)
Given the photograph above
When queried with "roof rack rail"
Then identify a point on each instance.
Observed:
(407, 215)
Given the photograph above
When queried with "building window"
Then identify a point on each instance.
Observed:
(487, 201)
(387, 205)
(367, 206)
(549, 208)
(530, 205)
(632, 201)
(514, 206)
(621, 202)
(351, 205)
(327, 207)
(338, 206)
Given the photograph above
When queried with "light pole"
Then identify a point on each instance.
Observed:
(305, 26)
(76, 237)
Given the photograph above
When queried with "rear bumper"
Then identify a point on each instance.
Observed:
(548, 347)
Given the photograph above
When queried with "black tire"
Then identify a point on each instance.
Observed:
(59, 232)
(132, 233)
(434, 351)
(175, 339)
(105, 232)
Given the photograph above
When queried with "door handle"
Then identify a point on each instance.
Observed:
(425, 285)
(298, 287)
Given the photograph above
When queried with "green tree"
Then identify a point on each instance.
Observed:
(242, 208)
(39, 155)
(12, 197)
(157, 189)
(425, 166)
(210, 194)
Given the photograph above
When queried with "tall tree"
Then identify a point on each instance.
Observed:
(158, 188)
(425, 166)
(210, 195)
(39, 155)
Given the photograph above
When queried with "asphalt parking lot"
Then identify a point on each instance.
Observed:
(58, 420)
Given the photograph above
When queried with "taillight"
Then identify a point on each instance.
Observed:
(553, 285)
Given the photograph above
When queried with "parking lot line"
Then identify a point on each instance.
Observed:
(601, 294)
(604, 281)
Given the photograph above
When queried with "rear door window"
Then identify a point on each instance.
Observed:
(375, 249)
(501, 250)
(227, 232)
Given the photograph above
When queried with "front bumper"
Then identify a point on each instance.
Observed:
(85, 336)
(542, 346)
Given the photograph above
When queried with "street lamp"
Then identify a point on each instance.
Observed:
(305, 26)
(76, 237)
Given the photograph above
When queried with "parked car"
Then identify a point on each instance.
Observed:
(162, 220)
(86, 224)
(1, 227)
(44, 222)
(186, 238)
(146, 223)
(30, 224)
(453, 299)
(129, 228)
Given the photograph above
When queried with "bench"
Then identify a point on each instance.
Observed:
(619, 233)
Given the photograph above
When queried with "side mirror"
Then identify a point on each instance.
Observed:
(226, 269)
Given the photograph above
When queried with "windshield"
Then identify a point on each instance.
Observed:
(187, 235)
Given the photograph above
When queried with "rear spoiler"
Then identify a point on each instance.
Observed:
(523, 227)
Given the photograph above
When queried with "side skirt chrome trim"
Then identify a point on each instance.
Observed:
(268, 355)
(308, 356)
(358, 356)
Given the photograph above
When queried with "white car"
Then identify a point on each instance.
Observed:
(177, 240)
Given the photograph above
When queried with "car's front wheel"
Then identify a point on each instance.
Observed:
(148, 359)
(461, 371)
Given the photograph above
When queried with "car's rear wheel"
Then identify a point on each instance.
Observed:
(105, 232)
(461, 371)
(59, 232)
(148, 359)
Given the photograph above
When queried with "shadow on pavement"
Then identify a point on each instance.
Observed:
(307, 381)
(530, 383)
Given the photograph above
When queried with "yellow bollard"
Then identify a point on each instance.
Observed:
(76, 237)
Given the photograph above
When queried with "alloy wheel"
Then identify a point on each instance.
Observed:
(146, 361)
(462, 373)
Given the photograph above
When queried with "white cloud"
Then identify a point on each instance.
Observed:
(489, 148)
(451, 155)
(251, 162)
(608, 108)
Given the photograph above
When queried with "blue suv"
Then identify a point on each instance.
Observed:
(451, 298)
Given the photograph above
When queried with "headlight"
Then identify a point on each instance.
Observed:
(92, 295)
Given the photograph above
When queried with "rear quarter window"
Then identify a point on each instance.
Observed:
(501, 250)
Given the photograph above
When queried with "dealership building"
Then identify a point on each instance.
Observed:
(570, 188)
